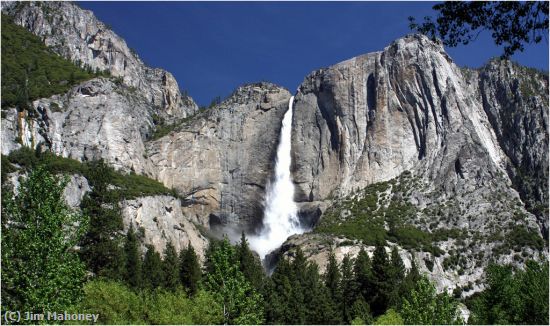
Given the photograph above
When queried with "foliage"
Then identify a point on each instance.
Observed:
(163, 128)
(348, 290)
(30, 70)
(190, 270)
(117, 304)
(170, 266)
(423, 306)
(333, 279)
(114, 302)
(249, 265)
(512, 24)
(40, 270)
(101, 246)
(153, 273)
(391, 317)
(132, 257)
(365, 215)
(125, 186)
(513, 298)
(241, 303)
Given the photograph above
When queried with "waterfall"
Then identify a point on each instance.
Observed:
(280, 213)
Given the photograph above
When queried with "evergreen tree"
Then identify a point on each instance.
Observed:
(278, 293)
(249, 264)
(349, 289)
(153, 276)
(190, 269)
(170, 266)
(396, 275)
(320, 308)
(364, 278)
(101, 247)
(409, 282)
(382, 285)
(333, 280)
(360, 312)
(299, 288)
(133, 259)
(40, 270)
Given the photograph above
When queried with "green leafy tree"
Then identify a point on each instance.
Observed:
(170, 265)
(153, 273)
(101, 247)
(249, 264)
(513, 298)
(115, 303)
(425, 307)
(190, 269)
(391, 317)
(40, 269)
(241, 303)
(512, 23)
(132, 254)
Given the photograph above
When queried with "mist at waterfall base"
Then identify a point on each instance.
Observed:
(280, 213)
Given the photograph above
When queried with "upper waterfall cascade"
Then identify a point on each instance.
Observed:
(281, 213)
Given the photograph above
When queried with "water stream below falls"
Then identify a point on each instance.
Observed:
(280, 213)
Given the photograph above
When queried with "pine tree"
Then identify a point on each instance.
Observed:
(101, 246)
(360, 312)
(190, 270)
(382, 286)
(170, 266)
(300, 290)
(250, 266)
(320, 307)
(133, 259)
(278, 293)
(349, 288)
(333, 280)
(396, 275)
(409, 282)
(364, 278)
(153, 275)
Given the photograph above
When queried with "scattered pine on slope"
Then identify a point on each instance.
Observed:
(31, 70)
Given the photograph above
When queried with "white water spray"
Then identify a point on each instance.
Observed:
(280, 214)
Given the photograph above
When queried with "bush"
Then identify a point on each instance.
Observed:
(127, 186)
(117, 304)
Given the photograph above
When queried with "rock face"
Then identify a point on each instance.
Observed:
(96, 119)
(515, 99)
(159, 220)
(469, 138)
(221, 160)
(79, 36)
(372, 117)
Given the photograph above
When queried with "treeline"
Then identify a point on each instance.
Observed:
(57, 259)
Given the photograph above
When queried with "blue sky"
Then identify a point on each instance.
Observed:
(213, 47)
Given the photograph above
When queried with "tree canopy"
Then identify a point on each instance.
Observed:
(511, 23)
